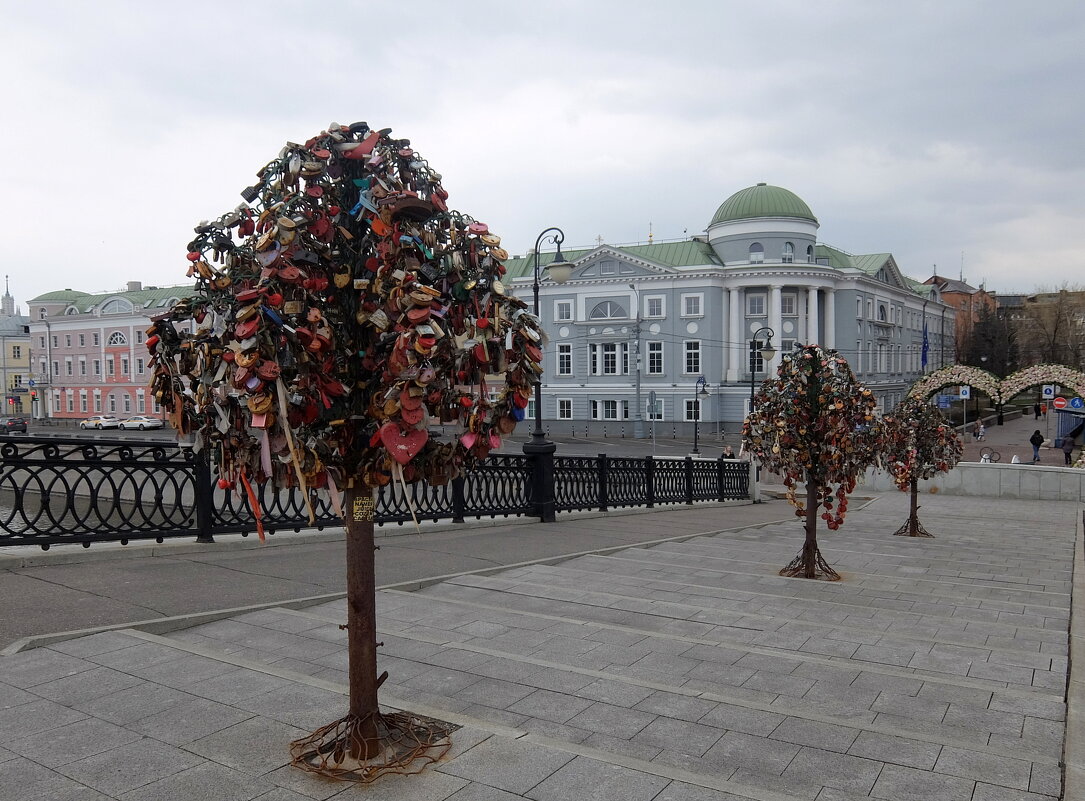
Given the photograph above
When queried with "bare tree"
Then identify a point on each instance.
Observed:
(1051, 327)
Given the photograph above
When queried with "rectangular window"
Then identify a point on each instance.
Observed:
(610, 358)
(82, 343)
(693, 409)
(124, 365)
(97, 366)
(693, 356)
(82, 367)
(858, 308)
(139, 366)
(141, 402)
(68, 344)
(82, 402)
(653, 306)
(563, 310)
(139, 337)
(56, 402)
(755, 305)
(128, 403)
(68, 366)
(610, 410)
(97, 340)
(97, 403)
(71, 402)
(56, 370)
(109, 370)
(655, 358)
(691, 305)
(565, 360)
(565, 408)
(112, 403)
(42, 339)
(787, 305)
(55, 345)
(17, 380)
(656, 412)
(787, 345)
(870, 309)
(757, 361)
(858, 356)
(16, 351)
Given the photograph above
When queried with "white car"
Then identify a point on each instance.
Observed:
(141, 422)
(100, 421)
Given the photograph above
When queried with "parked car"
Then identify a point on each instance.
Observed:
(9, 425)
(140, 421)
(100, 421)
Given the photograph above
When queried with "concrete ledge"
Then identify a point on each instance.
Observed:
(1024, 481)
(1073, 755)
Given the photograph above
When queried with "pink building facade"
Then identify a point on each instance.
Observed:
(87, 351)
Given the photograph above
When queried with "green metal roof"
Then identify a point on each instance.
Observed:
(837, 258)
(64, 295)
(870, 263)
(684, 253)
(762, 200)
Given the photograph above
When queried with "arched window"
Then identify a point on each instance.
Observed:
(71, 310)
(757, 253)
(42, 314)
(117, 338)
(608, 310)
(809, 254)
(883, 316)
(116, 306)
(789, 253)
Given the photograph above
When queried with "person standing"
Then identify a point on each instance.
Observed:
(1036, 440)
(1068, 449)
(981, 431)
(728, 452)
(1036, 410)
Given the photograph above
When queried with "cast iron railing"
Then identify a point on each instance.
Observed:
(73, 490)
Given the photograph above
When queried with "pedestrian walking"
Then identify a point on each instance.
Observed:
(1036, 440)
(1067, 449)
(1036, 410)
(981, 432)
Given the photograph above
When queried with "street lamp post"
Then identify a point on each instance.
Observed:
(559, 270)
(702, 392)
(638, 417)
(767, 352)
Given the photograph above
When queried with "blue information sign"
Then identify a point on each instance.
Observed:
(1077, 403)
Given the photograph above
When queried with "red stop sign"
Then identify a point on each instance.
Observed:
(1059, 403)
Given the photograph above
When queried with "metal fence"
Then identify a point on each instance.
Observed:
(70, 490)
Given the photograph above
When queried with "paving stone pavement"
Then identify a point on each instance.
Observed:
(678, 670)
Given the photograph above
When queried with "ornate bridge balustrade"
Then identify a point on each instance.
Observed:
(56, 491)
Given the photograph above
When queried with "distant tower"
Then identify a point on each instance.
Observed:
(7, 304)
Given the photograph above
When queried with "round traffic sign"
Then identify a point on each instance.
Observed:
(1059, 403)
(1076, 403)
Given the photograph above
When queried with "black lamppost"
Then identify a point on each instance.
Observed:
(767, 352)
(638, 417)
(702, 392)
(559, 270)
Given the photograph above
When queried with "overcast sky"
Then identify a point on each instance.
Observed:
(925, 129)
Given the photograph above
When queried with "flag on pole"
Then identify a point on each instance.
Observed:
(926, 347)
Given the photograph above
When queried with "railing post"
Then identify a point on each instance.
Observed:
(604, 472)
(459, 499)
(689, 480)
(205, 508)
(650, 479)
(721, 478)
(542, 480)
(755, 487)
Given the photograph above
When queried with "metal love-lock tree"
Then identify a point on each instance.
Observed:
(918, 444)
(814, 423)
(339, 315)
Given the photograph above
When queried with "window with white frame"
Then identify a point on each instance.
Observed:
(139, 337)
(67, 340)
(788, 305)
(96, 338)
(82, 401)
(654, 307)
(127, 402)
(82, 366)
(870, 309)
(563, 310)
(755, 304)
(71, 402)
(141, 402)
(609, 351)
(529, 410)
(56, 370)
(565, 408)
(565, 359)
(604, 409)
(692, 304)
(112, 402)
(55, 340)
(117, 338)
(97, 366)
(757, 253)
(789, 253)
(124, 365)
(139, 366)
(42, 341)
(608, 268)
(97, 403)
(693, 409)
(787, 345)
(56, 398)
(858, 308)
(655, 358)
(655, 412)
(872, 362)
(809, 254)
(693, 356)
(608, 310)
(756, 361)
(109, 369)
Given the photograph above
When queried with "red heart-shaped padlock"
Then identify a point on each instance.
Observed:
(402, 445)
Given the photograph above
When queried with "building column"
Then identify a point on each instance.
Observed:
(725, 351)
(830, 319)
(735, 337)
(812, 337)
(776, 324)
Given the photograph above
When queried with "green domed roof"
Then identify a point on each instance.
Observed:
(762, 201)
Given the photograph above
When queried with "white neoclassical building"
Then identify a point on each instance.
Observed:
(676, 329)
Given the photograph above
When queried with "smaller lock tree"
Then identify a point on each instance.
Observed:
(814, 424)
(919, 444)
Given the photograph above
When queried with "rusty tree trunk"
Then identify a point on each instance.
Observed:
(362, 619)
(810, 545)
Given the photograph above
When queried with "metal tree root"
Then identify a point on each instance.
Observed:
(348, 751)
(810, 565)
(912, 528)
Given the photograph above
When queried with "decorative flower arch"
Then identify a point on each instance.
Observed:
(1000, 390)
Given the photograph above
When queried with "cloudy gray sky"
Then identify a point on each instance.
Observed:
(926, 129)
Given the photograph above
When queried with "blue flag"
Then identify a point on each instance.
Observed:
(926, 347)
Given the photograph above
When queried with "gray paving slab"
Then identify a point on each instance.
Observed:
(600, 781)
